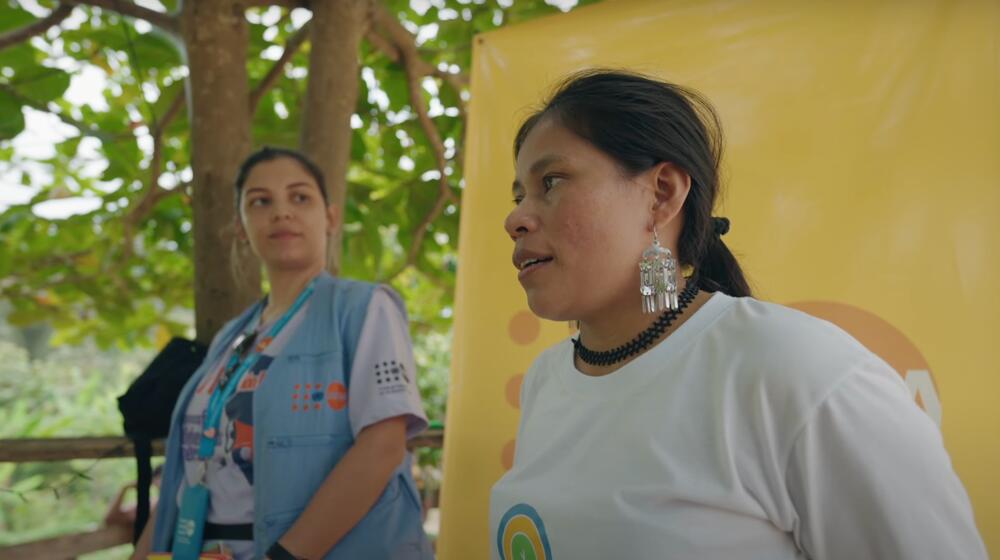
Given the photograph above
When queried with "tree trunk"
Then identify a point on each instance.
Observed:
(215, 35)
(331, 97)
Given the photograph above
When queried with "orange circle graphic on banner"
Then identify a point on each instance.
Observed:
(886, 341)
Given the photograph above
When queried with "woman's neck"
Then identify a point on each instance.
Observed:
(286, 285)
(609, 330)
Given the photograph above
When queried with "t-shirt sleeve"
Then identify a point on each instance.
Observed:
(869, 477)
(383, 376)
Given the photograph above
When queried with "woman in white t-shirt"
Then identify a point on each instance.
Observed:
(689, 420)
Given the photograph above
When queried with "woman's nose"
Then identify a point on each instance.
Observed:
(520, 221)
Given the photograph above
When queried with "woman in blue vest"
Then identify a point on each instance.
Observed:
(290, 439)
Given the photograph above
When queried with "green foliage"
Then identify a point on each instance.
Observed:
(89, 278)
(432, 352)
(70, 392)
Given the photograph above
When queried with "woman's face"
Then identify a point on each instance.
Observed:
(283, 215)
(579, 226)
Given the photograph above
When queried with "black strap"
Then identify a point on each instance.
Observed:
(144, 477)
(278, 552)
(242, 532)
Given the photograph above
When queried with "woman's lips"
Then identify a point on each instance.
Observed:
(533, 267)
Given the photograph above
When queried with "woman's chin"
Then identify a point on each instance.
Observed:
(288, 263)
(548, 308)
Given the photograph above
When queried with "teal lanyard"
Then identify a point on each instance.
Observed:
(238, 366)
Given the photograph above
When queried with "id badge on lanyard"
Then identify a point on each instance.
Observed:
(191, 522)
(190, 526)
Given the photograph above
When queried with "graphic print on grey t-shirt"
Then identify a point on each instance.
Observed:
(239, 410)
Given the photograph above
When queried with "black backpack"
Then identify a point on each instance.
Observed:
(146, 408)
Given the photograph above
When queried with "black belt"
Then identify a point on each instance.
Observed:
(214, 532)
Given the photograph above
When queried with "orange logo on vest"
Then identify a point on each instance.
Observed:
(336, 396)
(888, 342)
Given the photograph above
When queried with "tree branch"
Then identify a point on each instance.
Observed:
(401, 47)
(268, 81)
(175, 108)
(16, 36)
(144, 207)
(444, 190)
(164, 21)
(154, 192)
(399, 43)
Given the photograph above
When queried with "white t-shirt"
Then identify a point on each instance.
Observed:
(753, 431)
(383, 385)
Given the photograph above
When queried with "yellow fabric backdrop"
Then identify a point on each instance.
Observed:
(863, 177)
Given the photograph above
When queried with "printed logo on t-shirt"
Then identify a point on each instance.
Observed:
(390, 377)
(521, 535)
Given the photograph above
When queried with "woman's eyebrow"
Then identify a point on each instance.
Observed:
(536, 168)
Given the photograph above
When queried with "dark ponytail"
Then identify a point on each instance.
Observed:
(641, 122)
(719, 271)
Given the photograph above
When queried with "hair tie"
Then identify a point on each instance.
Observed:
(720, 226)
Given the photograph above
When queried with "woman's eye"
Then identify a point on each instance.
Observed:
(300, 197)
(550, 181)
(258, 201)
(518, 199)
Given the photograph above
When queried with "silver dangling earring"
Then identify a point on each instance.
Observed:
(658, 278)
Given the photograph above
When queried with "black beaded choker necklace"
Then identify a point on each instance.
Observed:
(642, 341)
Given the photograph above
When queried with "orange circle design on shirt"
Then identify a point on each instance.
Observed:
(336, 396)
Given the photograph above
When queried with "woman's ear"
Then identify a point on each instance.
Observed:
(670, 185)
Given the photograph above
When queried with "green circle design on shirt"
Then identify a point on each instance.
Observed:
(521, 535)
(522, 549)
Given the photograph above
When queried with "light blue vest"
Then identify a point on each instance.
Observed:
(294, 452)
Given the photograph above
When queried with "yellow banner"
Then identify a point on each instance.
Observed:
(863, 179)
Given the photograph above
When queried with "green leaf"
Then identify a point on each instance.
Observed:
(448, 96)
(19, 57)
(41, 84)
(357, 145)
(12, 17)
(156, 50)
(394, 85)
(11, 117)
(420, 199)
